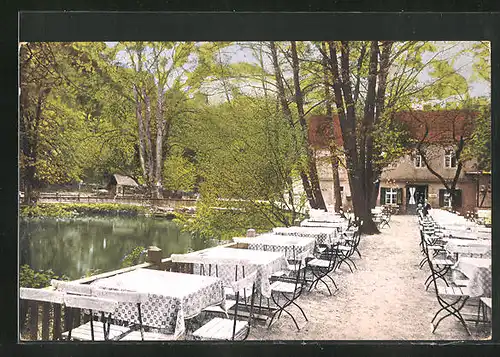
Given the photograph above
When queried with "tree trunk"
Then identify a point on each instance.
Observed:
(356, 164)
(376, 189)
(147, 138)
(336, 183)
(368, 120)
(311, 160)
(333, 146)
(30, 144)
(288, 115)
(160, 127)
(140, 130)
(379, 109)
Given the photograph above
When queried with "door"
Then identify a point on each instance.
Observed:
(415, 194)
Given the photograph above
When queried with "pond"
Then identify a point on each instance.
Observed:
(77, 246)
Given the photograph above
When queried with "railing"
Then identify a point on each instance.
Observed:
(142, 201)
(47, 321)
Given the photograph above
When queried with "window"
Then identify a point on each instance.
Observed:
(419, 161)
(391, 195)
(450, 161)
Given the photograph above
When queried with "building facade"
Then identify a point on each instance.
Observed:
(408, 181)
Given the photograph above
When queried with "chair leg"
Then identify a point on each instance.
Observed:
(281, 309)
(452, 310)
(479, 311)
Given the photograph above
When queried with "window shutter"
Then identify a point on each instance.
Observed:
(458, 198)
(400, 196)
(382, 195)
(441, 197)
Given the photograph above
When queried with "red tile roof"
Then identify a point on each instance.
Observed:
(443, 126)
(319, 131)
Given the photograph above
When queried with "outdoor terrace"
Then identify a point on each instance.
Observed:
(384, 298)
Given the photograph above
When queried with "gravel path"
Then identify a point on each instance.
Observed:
(384, 299)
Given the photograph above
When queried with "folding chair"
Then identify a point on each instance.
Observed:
(456, 296)
(442, 265)
(290, 289)
(230, 329)
(90, 331)
(347, 249)
(321, 268)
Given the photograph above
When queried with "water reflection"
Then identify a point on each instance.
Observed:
(74, 247)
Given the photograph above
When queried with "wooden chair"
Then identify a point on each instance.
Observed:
(290, 288)
(451, 299)
(230, 329)
(442, 264)
(321, 267)
(91, 331)
(347, 249)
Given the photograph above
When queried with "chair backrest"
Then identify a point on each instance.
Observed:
(72, 288)
(43, 295)
(90, 303)
(434, 273)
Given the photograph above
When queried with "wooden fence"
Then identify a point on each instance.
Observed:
(46, 321)
(141, 201)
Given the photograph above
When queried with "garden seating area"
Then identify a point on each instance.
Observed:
(457, 253)
(321, 280)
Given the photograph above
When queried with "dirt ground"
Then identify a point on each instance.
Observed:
(384, 299)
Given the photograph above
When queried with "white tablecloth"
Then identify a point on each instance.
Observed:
(293, 247)
(337, 224)
(172, 297)
(465, 234)
(322, 235)
(225, 261)
(478, 271)
(462, 246)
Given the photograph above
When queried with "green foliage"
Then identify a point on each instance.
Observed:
(29, 278)
(391, 141)
(136, 256)
(92, 272)
(66, 210)
(179, 174)
(247, 158)
(479, 146)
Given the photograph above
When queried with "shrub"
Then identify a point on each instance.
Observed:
(29, 278)
(67, 210)
(136, 256)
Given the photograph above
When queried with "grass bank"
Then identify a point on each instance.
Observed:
(68, 210)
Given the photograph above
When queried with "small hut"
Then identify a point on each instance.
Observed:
(119, 183)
